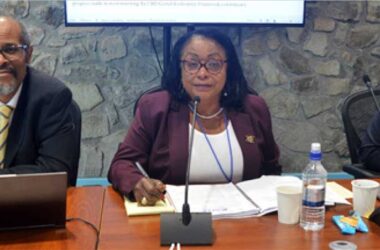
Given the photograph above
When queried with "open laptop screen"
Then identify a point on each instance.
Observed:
(33, 200)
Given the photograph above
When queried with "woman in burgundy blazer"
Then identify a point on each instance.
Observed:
(159, 135)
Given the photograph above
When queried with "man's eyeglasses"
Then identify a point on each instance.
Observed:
(212, 66)
(11, 51)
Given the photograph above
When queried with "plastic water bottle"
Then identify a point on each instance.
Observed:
(313, 192)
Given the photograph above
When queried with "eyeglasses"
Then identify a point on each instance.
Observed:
(12, 51)
(212, 66)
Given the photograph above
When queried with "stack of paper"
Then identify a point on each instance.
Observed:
(249, 198)
(335, 193)
(255, 197)
(222, 200)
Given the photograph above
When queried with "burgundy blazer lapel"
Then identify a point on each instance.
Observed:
(244, 129)
(178, 143)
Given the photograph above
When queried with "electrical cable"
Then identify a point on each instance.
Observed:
(155, 49)
(91, 225)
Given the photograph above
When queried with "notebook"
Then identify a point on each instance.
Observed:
(248, 198)
(33, 200)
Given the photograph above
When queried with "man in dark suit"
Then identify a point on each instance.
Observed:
(44, 122)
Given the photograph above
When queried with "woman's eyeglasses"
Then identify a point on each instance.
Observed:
(212, 66)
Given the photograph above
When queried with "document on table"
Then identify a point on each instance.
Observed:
(336, 193)
(222, 200)
(255, 197)
(248, 198)
(262, 191)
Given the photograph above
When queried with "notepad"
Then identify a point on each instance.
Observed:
(134, 209)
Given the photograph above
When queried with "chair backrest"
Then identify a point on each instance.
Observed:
(357, 111)
(77, 117)
(148, 91)
(159, 88)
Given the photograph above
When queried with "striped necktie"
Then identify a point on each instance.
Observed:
(5, 113)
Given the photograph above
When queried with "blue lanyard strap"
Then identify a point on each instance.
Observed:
(229, 179)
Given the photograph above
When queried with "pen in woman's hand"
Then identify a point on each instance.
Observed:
(138, 165)
(160, 187)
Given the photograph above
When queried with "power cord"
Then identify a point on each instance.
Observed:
(155, 49)
(89, 224)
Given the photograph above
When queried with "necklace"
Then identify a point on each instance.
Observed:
(207, 117)
(228, 178)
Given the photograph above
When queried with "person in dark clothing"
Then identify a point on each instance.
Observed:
(370, 149)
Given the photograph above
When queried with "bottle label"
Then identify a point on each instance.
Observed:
(314, 196)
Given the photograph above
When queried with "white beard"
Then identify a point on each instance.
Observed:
(7, 88)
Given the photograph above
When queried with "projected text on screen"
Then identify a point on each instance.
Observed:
(184, 11)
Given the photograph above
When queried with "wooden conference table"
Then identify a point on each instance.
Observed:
(82, 202)
(104, 208)
(121, 232)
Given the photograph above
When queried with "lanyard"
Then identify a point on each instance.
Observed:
(228, 178)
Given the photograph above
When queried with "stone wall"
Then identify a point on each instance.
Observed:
(303, 73)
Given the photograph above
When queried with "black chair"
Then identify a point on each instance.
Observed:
(148, 91)
(159, 88)
(357, 111)
(77, 117)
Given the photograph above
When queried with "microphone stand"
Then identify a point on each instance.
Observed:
(187, 228)
(368, 83)
(186, 215)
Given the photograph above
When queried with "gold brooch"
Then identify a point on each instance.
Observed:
(250, 138)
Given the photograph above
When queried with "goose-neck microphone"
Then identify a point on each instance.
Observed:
(187, 228)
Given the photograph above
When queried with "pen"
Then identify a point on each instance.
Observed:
(138, 165)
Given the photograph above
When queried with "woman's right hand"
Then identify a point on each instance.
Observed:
(148, 191)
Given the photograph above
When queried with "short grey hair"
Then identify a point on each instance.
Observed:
(24, 36)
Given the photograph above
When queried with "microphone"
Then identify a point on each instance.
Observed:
(186, 215)
(368, 83)
(187, 228)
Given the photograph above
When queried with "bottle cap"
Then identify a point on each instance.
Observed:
(316, 147)
(315, 152)
(342, 245)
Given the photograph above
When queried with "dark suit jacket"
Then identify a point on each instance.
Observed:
(370, 149)
(43, 136)
(158, 139)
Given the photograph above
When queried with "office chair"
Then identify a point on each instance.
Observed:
(77, 117)
(148, 91)
(159, 88)
(375, 216)
(357, 111)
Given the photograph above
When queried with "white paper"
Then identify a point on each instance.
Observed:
(262, 191)
(245, 199)
(334, 195)
(220, 199)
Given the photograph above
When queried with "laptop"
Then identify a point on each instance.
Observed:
(33, 200)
